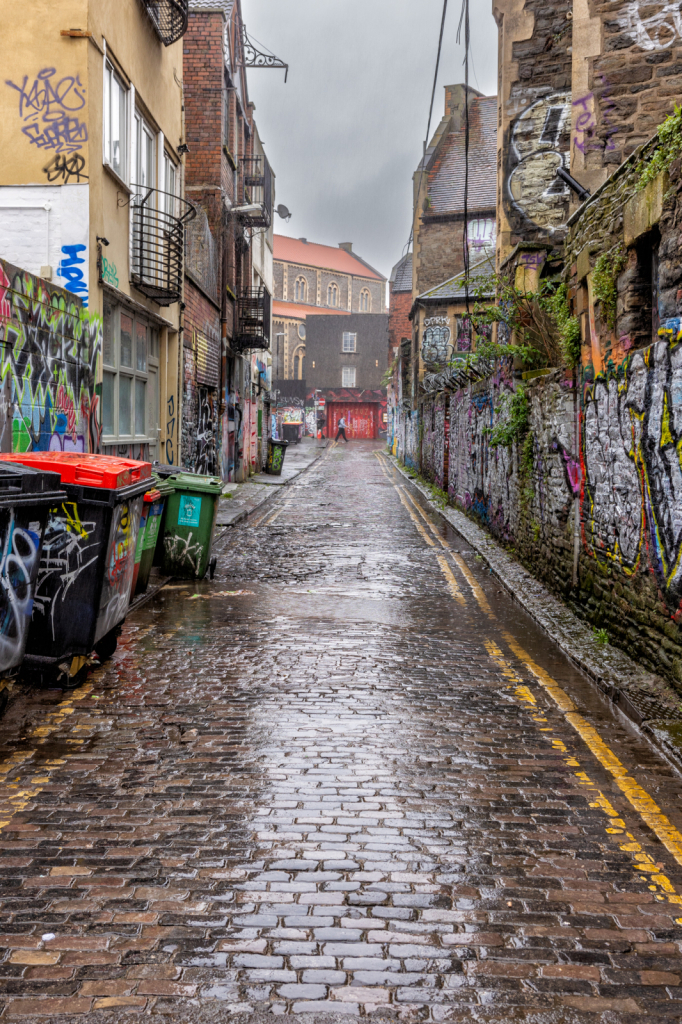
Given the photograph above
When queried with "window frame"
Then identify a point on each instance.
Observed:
(111, 75)
(143, 128)
(351, 370)
(349, 338)
(114, 370)
(333, 288)
(300, 289)
(365, 301)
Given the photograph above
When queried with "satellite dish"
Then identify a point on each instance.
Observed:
(283, 212)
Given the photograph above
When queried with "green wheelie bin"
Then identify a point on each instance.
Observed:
(189, 522)
(162, 489)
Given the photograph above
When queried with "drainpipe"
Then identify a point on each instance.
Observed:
(576, 500)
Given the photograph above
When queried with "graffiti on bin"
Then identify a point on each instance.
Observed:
(69, 547)
(182, 552)
(19, 554)
(120, 566)
(50, 348)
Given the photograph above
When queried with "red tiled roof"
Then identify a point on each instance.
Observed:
(296, 312)
(326, 257)
(446, 177)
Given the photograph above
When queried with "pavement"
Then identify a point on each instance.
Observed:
(239, 501)
(348, 777)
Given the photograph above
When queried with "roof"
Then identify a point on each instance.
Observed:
(401, 275)
(453, 288)
(326, 257)
(298, 312)
(447, 172)
(212, 5)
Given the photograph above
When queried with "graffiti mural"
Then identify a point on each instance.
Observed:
(632, 494)
(436, 342)
(70, 549)
(48, 107)
(539, 145)
(653, 26)
(50, 349)
(205, 460)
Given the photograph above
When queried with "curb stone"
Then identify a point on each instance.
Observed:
(646, 699)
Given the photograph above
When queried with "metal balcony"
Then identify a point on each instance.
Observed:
(169, 18)
(257, 191)
(253, 320)
(158, 243)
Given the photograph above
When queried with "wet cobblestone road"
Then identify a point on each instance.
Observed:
(347, 776)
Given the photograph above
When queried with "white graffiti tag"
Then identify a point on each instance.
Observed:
(19, 556)
(658, 29)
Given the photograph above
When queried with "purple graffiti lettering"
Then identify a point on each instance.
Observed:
(47, 107)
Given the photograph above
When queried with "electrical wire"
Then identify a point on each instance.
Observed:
(428, 126)
(464, 18)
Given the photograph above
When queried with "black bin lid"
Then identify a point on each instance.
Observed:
(162, 470)
(17, 481)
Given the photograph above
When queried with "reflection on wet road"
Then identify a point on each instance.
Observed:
(347, 776)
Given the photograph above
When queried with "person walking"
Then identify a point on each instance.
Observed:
(341, 432)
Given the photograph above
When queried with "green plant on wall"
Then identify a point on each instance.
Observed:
(567, 326)
(604, 283)
(668, 149)
(514, 412)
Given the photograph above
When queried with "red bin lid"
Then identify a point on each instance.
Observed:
(106, 471)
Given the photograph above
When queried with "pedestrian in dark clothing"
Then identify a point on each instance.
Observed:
(341, 432)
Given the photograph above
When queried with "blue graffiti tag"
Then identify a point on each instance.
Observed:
(71, 272)
(47, 107)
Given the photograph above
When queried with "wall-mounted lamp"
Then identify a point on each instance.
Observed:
(102, 239)
(183, 148)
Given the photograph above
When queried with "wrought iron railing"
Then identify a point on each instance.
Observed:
(253, 316)
(158, 243)
(169, 18)
(257, 191)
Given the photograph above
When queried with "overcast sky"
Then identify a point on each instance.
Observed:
(345, 134)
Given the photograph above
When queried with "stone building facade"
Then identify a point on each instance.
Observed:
(310, 280)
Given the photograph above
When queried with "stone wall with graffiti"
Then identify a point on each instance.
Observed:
(50, 352)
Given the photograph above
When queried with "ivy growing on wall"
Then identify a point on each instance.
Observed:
(604, 283)
(668, 149)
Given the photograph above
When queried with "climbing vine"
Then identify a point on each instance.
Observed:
(567, 326)
(604, 283)
(668, 149)
(514, 410)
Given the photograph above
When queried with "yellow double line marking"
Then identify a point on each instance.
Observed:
(636, 795)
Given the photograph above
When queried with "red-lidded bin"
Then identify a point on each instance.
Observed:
(88, 559)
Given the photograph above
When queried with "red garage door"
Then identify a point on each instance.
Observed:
(362, 419)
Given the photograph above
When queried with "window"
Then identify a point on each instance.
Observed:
(348, 377)
(365, 301)
(350, 342)
(333, 294)
(143, 164)
(130, 345)
(301, 290)
(301, 331)
(169, 186)
(115, 121)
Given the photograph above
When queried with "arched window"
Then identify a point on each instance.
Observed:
(365, 301)
(301, 290)
(333, 294)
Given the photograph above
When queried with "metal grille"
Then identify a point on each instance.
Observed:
(158, 241)
(257, 186)
(169, 18)
(254, 320)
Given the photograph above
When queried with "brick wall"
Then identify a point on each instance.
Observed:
(203, 76)
(399, 323)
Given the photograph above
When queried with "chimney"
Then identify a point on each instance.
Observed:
(454, 103)
(304, 240)
(348, 246)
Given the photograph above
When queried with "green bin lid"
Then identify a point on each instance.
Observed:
(196, 482)
(163, 484)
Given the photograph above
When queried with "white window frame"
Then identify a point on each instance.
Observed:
(349, 342)
(112, 76)
(114, 371)
(143, 131)
(348, 372)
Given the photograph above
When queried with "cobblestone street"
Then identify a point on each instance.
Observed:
(346, 776)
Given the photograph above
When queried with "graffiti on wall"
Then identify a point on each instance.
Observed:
(50, 347)
(48, 107)
(64, 169)
(205, 460)
(436, 340)
(539, 145)
(653, 26)
(632, 495)
(119, 566)
(71, 270)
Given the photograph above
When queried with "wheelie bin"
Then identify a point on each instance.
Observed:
(87, 563)
(276, 452)
(191, 512)
(26, 496)
(152, 532)
(148, 499)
